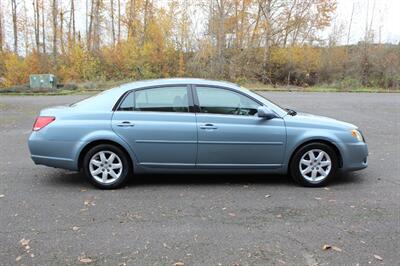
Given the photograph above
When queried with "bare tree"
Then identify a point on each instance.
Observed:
(93, 35)
(131, 19)
(265, 7)
(112, 21)
(71, 24)
(54, 12)
(1, 27)
(15, 25)
(36, 22)
(43, 28)
(119, 20)
(62, 31)
(350, 24)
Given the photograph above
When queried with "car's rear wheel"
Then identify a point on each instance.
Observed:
(314, 165)
(106, 166)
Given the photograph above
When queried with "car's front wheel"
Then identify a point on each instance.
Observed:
(106, 166)
(314, 165)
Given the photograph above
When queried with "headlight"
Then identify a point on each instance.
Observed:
(357, 134)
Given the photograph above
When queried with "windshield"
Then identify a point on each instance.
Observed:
(275, 107)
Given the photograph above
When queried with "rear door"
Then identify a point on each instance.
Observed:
(231, 135)
(158, 125)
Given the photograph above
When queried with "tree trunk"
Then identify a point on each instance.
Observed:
(25, 29)
(145, 20)
(36, 22)
(43, 31)
(89, 29)
(112, 22)
(15, 26)
(96, 26)
(131, 19)
(267, 46)
(62, 31)
(1, 28)
(119, 20)
(71, 24)
(54, 19)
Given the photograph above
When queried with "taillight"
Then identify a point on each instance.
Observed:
(42, 121)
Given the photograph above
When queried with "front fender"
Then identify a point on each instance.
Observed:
(296, 137)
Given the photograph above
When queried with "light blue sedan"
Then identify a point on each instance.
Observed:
(192, 126)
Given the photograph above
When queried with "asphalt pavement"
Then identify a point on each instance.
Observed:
(54, 217)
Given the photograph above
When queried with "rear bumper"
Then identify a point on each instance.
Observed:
(54, 162)
(355, 156)
(59, 154)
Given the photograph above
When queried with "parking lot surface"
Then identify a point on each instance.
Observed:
(54, 217)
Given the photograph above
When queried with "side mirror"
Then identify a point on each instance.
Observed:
(265, 112)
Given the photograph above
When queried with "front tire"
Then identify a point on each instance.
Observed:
(106, 166)
(314, 165)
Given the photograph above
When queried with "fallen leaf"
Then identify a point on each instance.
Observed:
(84, 259)
(336, 248)
(378, 257)
(75, 228)
(267, 196)
(281, 261)
(178, 264)
(326, 247)
(89, 203)
(24, 242)
(18, 258)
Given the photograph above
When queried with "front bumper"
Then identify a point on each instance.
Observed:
(354, 156)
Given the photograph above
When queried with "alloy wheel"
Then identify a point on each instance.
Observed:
(105, 167)
(315, 165)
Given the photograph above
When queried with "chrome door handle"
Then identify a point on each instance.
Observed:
(126, 124)
(208, 126)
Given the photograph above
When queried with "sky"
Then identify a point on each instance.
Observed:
(386, 17)
(385, 23)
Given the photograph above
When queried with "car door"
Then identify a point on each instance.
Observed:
(230, 134)
(158, 125)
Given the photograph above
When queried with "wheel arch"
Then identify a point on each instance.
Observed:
(94, 143)
(323, 141)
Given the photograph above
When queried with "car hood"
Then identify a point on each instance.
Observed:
(316, 121)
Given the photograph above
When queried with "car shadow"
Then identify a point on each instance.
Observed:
(74, 179)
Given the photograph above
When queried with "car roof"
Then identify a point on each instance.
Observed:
(175, 81)
(107, 99)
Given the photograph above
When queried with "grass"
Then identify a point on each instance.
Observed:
(97, 86)
(263, 87)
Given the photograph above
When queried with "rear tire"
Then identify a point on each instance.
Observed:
(314, 165)
(106, 166)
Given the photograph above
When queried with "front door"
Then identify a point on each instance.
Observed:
(231, 135)
(158, 126)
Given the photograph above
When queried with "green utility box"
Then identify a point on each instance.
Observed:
(43, 81)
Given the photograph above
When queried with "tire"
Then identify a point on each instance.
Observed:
(106, 166)
(309, 170)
